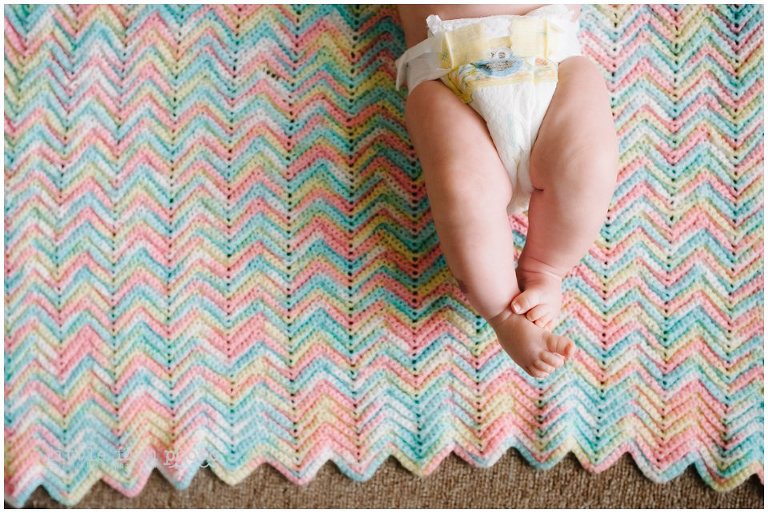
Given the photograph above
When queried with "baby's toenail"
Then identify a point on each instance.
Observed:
(517, 308)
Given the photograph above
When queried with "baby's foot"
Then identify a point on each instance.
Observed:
(537, 351)
(540, 299)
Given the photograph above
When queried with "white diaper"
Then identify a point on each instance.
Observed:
(504, 67)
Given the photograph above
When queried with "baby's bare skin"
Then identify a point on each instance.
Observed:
(573, 171)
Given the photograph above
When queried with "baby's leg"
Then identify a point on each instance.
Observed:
(573, 168)
(468, 191)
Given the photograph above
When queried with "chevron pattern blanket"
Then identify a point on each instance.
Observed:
(219, 253)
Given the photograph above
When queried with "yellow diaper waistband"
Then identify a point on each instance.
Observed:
(527, 37)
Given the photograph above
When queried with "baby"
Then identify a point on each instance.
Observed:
(506, 115)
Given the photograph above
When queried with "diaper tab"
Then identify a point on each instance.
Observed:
(420, 62)
(529, 37)
(463, 45)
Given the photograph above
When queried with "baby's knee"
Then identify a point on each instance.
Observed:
(591, 167)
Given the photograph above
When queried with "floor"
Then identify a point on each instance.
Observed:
(510, 483)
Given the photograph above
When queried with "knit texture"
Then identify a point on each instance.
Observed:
(219, 252)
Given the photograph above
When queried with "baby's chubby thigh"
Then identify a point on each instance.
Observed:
(576, 146)
(457, 155)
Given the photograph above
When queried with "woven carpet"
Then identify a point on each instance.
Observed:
(219, 253)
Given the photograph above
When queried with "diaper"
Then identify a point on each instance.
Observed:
(505, 68)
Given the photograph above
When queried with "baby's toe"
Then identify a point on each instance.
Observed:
(543, 322)
(525, 301)
(536, 371)
(560, 345)
(570, 349)
(553, 359)
(547, 323)
(543, 366)
(536, 313)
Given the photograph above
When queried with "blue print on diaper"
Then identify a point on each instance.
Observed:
(500, 67)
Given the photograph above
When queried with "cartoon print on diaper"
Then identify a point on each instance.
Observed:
(498, 54)
(501, 64)
(502, 67)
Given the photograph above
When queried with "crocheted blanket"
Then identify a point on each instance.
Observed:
(219, 253)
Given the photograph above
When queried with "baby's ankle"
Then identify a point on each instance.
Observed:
(529, 277)
(539, 270)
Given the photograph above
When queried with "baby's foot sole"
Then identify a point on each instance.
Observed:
(535, 350)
